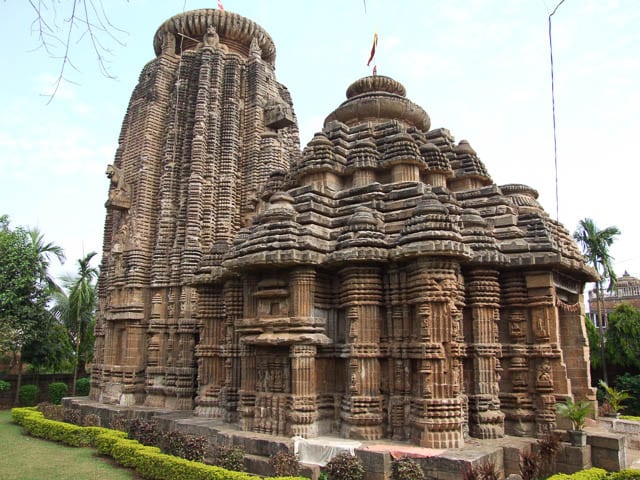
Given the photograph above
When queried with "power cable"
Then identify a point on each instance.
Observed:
(553, 106)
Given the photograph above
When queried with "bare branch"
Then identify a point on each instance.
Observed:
(58, 39)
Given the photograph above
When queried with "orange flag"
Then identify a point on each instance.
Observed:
(373, 48)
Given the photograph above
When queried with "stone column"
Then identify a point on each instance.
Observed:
(304, 411)
(550, 372)
(248, 387)
(302, 290)
(436, 403)
(397, 332)
(361, 297)
(483, 302)
(233, 301)
(209, 352)
(516, 386)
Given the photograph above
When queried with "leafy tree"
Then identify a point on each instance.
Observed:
(23, 295)
(630, 383)
(51, 349)
(595, 245)
(623, 336)
(44, 252)
(81, 309)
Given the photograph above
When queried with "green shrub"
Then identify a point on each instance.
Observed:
(230, 458)
(185, 445)
(83, 385)
(106, 441)
(630, 417)
(145, 432)
(345, 467)
(589, 474)
(57, 390)
(91, 420)
(28, 395)
(631, 384)
(37, 425)
(4, 386)
(284, 464)
(51, 411)
(71, 415)
(626, 474)
(406, 468)
(18, 414)
(148, 461)
(119, 422)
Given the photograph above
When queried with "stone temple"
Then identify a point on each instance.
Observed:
(375, 285)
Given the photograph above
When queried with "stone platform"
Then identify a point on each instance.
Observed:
(604, 449)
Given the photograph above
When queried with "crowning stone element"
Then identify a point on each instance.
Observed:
(376, 285)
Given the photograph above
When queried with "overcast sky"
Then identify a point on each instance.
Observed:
(479, 68)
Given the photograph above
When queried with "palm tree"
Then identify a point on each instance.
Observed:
(81, 304)
(44, 252)
(595, 245)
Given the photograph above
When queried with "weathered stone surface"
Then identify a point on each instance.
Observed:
(608, 451)
(376, 284)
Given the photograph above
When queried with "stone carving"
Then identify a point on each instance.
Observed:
(211, 38)
(277, 114)
(119, 191)
(376, 284)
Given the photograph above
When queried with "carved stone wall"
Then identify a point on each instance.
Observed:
(182, 184)
(377, 284)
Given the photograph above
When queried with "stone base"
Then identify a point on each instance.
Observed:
(377, 456)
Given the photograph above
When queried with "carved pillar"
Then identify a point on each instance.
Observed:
(516, 386)
(302, 289)
(399, 365)
(550, 376)
(361, 297)
(233, 301)
(304, 411)
(209, 352)
(436, 403)
(247, 392)
(405, 172)
(483, 302)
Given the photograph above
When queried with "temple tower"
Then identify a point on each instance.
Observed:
(206, 112)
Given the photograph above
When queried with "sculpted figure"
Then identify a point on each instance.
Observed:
(115, 175)
(544, 374)
(211, 38)
(119, 192)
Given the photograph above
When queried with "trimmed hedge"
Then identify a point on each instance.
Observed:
(83, 385)
(626, 474)
(36, 425)
(633, 418)
(148, 462)
(27, 395)
(598, 474)
(57, 390)
(589, 474)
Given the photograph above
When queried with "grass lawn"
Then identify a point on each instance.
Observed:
(26, 458)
